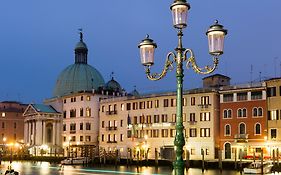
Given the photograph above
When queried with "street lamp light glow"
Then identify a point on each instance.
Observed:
(216, 34)
(180, 13)
(147, 47)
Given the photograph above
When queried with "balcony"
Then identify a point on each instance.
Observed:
(192, 122)
(204, 106)
(112, 141)
(111, 112)
(111, 128)
(241, 138)
(72, 131)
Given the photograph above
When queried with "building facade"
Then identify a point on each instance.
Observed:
(144, 126)
(42, 128)
(77, 94)
(274, 115)
(11, 124)
(243, 121)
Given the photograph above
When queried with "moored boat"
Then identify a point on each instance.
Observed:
(256, 168)
(75, 161)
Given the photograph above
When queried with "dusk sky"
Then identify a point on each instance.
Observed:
(37, 41)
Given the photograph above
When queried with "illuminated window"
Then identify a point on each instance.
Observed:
(205, 100)
(207, 151)
(183, 101)
(88, 98)
(174, 118)
(88, 112)
(122, 107)
(156, 103)
(192, 132)
(205, 116)
(192, 151)
(192, 101)
(172, 132)
(88, 138)
(164, 118)
(164, 132)
(3, 114)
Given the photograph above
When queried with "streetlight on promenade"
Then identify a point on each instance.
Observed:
(216, 34)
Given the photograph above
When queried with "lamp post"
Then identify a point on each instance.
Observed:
(216, 34)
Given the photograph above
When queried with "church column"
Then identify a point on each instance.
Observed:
(25, 132)
(38, 132)
(54, 132)
(33, 132)
(58, 135)
(44, 132)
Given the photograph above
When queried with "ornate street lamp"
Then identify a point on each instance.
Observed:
(216, 34)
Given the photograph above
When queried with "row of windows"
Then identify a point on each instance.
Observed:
(271, 91)
(3, 125)
(155, 104)
(149, 119)
(242, 129)
(73, 99)
(73, 113)
(156, 133)
(4, 138)
(274, 115)
(256, 112)
(112, 138)
(243, 96)
(72, 126)
(81, 139)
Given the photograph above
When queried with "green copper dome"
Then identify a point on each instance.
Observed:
(79, 76)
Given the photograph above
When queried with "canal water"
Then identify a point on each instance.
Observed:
(46, 168)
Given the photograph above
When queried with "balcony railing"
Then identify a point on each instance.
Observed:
(111, 112)
(112, 141)
(204, 106)
(192, 122)
(241, 137)
(111, 128)
(72, 131)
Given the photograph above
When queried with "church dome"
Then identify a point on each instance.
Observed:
(113, 85)
(79, 76)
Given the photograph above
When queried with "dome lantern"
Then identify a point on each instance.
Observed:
(81, 51)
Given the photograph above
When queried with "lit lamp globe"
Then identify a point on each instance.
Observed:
(179, 12)
(147, 48)
(216, 34)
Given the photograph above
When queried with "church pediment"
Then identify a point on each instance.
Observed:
(30, 111)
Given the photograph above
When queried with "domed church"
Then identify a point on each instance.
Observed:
(77, 93)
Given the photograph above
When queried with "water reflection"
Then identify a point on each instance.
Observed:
(45, 168)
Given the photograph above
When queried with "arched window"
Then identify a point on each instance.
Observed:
(244, 113)
(227, 131)
(260, 113)
(225, 113)
(258, 129)
(255, 112)
(242, 128)
(229, 113)
(239, 113)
